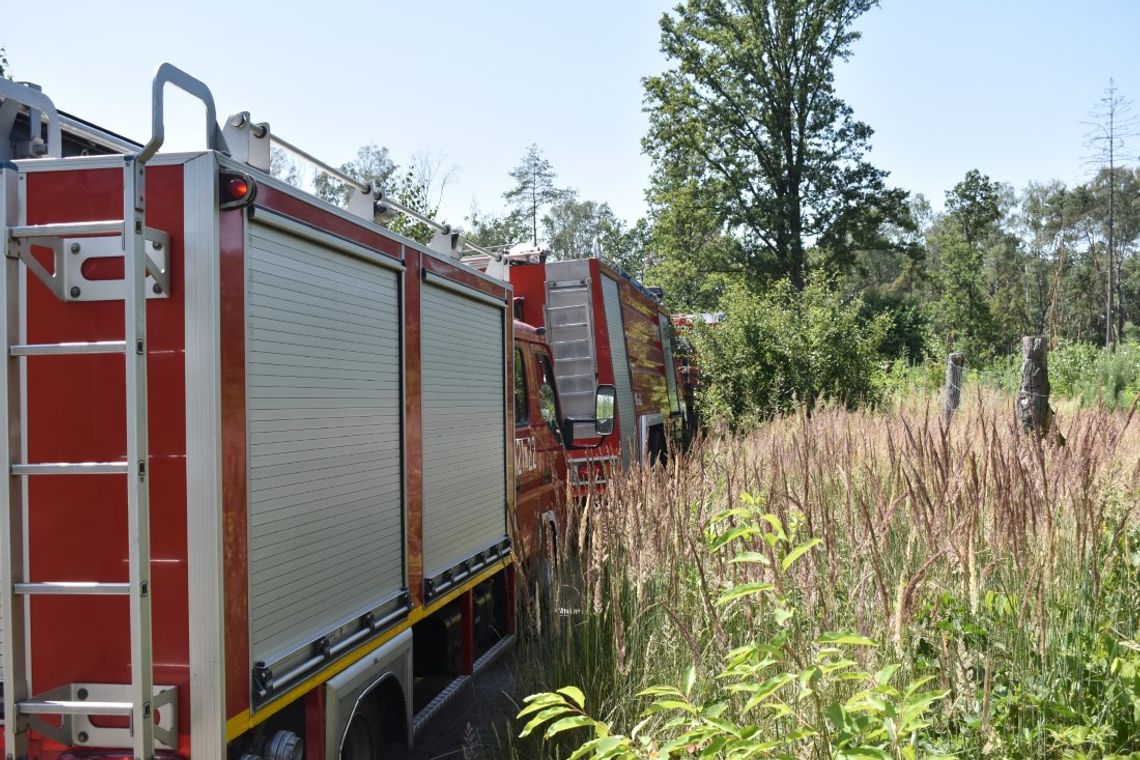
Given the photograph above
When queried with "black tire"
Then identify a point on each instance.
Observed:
(360, 740)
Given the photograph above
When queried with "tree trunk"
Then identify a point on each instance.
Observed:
(1033, 410)
(795, 233)
(952, 393)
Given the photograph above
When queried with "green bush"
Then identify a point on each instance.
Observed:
(776, 694)
(1085, 372)
(781, 349)
(909, 338)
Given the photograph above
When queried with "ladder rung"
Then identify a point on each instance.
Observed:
(72, 707)
(68, 229)
(68, 349)
(70, 468)
(73, 588)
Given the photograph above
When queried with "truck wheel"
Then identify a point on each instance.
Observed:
(360, 740)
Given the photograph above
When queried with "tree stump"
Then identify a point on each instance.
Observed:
(952, 392)
(1033, 410)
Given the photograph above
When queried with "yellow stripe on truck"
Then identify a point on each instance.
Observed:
(242, 722)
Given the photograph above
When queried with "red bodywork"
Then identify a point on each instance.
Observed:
(75, 413)
(641, 314)
(77, 525)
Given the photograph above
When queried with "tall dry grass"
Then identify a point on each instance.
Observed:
(1005, 566)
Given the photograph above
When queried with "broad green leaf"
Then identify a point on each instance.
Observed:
(744, 589)
(884, 676)
(609, 746)
(809, 676)
(798, 552)
(845, 638)
(917, 684)
(548, 714)
(565, 724)
(750, 557)
(738, 512)
(741, 531)
(916, 706)
(575, 695)
(537, 702)
(767, 689)
(782, 615)
(673, 704)
(597, 747)
(777, 526)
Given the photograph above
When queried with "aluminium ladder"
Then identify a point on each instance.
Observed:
(139, 699)
(570, 331)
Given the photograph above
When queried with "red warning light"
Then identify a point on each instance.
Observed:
(236, 190)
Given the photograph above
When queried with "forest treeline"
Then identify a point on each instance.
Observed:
(762, 189)
(761, 175)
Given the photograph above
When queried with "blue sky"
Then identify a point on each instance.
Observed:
(948, 85)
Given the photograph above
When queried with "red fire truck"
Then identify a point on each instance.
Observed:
(261, 477)
(603, 327)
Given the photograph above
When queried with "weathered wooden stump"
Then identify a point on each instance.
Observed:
(952, 392)
(1033, 410)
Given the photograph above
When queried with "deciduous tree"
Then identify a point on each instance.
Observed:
(749, 114)
(372, 164)
(421, 189)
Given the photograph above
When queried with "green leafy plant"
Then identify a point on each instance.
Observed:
(774, 695)
(785, 348)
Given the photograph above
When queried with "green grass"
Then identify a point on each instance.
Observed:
(1081, 372)
(1003, 570)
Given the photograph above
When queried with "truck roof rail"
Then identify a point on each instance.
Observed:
(250, 142)
(39, 106)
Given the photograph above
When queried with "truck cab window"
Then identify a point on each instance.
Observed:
(547, 396)
(522, 411)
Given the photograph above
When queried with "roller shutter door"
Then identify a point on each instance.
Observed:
(615, 329)
(324, 436)
(464, 428)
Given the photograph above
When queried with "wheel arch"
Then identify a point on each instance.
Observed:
(381, 676)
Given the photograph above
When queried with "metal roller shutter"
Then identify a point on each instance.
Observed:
(615, 329)
(464, 422)
(323, 377)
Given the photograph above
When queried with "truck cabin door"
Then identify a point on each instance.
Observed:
(539, 453)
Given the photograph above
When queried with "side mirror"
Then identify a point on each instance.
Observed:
(604, 398)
